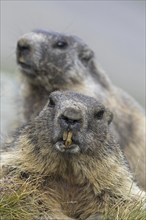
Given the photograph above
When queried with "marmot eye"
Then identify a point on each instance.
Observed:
(99, 115)
(61, 44)
(51, 103)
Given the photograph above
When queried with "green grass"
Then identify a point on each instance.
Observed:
(126, 211)
(19, 203)
(22, 201)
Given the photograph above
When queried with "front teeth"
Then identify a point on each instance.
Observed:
(67, 137)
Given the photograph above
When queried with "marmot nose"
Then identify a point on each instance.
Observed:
(23, 48)
(71, 118)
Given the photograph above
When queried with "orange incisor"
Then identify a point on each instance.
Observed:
(67, 137)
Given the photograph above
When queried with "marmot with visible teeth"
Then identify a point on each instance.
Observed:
(80, 167)
(53, 61)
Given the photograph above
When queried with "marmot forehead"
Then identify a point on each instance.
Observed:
(55, 34)
(66, 95)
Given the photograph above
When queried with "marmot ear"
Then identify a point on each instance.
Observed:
(86, 54)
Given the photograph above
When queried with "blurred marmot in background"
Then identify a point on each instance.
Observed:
(53, 61)
(68, 151)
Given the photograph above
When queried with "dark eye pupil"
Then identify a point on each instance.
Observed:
(99, 115)
(61, 44)
(51, 103)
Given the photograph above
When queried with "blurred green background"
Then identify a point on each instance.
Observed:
(115, 30)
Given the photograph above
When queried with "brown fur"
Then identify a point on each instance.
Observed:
(53, 61)
(79, 182)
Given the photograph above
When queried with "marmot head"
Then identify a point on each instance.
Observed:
(71, 123)
(52, 59)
